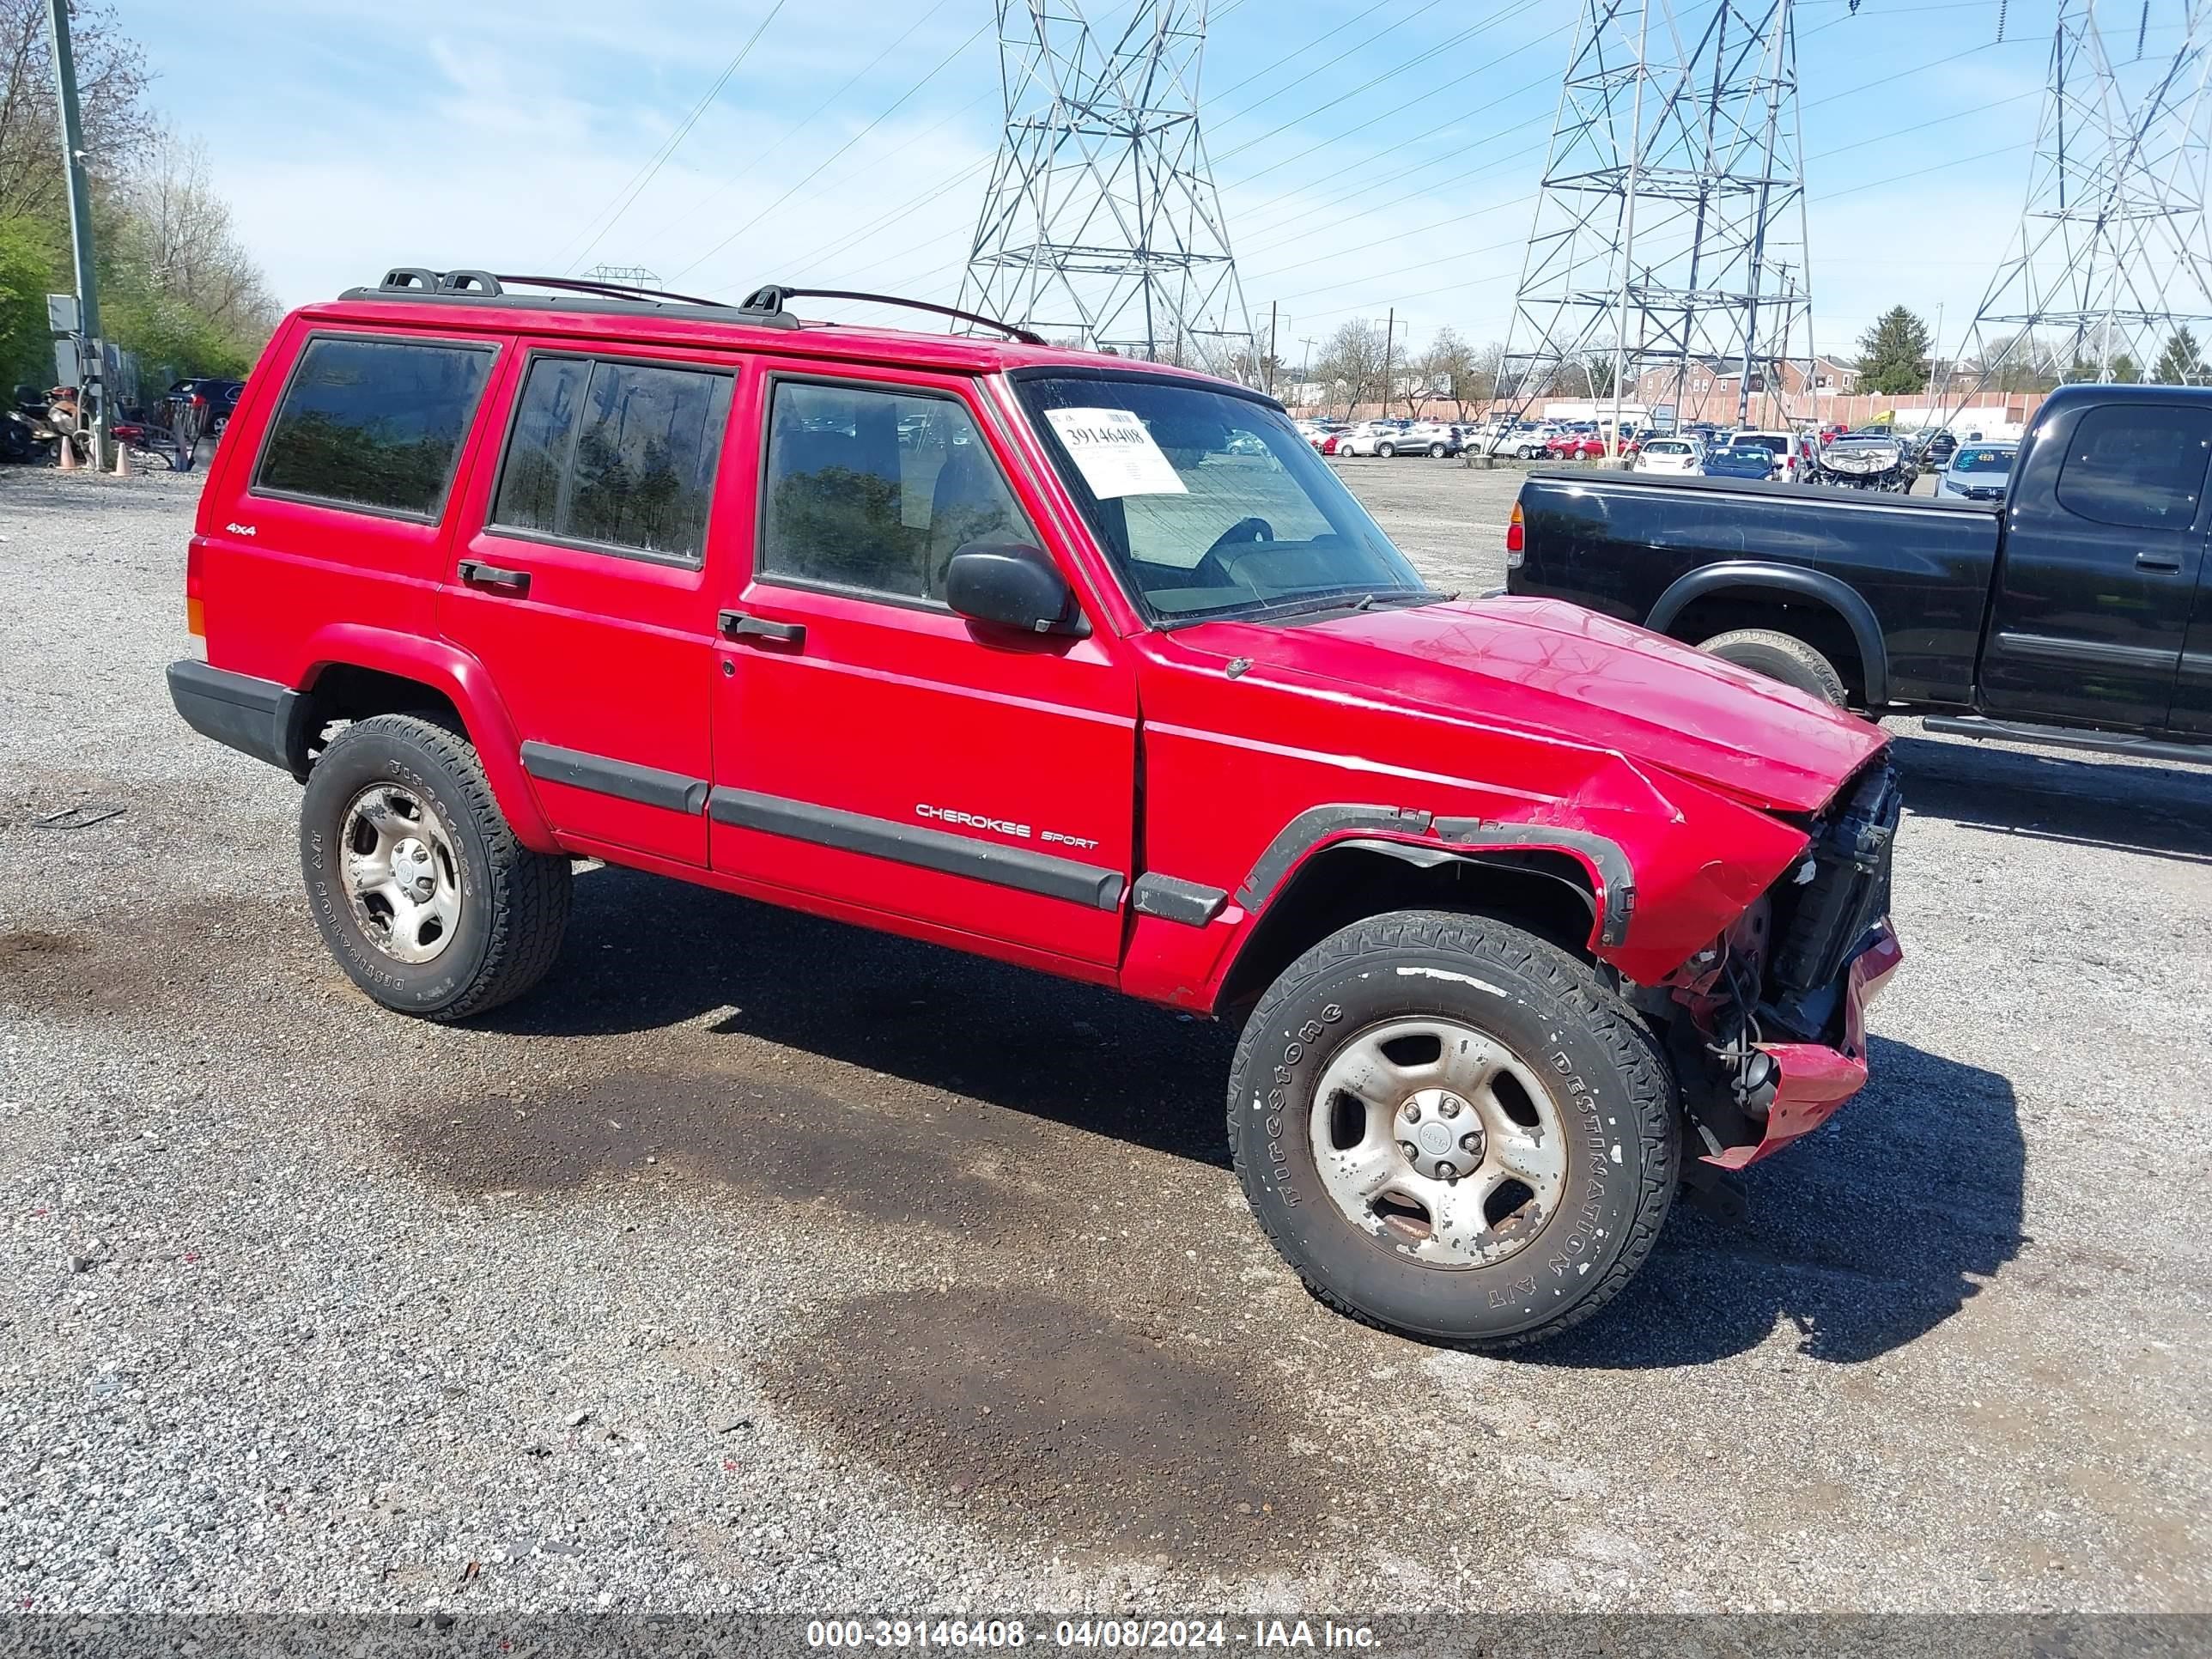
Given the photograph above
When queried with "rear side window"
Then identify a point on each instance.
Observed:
(2140, 465)
(876, 491)
(375, 424)
(612, 455)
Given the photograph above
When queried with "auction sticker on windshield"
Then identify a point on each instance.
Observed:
(1114, 453)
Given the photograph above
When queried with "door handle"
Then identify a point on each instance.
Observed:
(736, 625)
(476, 573)
(2166, 563)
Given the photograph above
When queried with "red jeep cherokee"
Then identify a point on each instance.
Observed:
(1081, 663)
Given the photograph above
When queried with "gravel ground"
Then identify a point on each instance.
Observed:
(759, 1263)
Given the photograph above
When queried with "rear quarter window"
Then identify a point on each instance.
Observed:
(373, 424)
(2137, 465)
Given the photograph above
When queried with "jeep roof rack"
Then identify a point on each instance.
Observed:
(765, 307)
(471, 287)
(772, 298)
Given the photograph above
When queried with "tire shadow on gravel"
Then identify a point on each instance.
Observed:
(1863, 1236)
(645, 954)
(2162, 811)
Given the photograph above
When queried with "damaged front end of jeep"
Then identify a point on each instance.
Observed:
(1766, 1024)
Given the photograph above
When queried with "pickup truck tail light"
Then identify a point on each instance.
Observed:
(1516, 539)
(195, 591)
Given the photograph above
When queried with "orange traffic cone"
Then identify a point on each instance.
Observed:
(122, 459)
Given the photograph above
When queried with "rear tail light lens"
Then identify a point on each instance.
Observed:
(195, 591)
(1516, 539)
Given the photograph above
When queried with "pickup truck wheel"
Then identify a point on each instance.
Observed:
(1452, 1130)
(418, 886)
(1780, 657)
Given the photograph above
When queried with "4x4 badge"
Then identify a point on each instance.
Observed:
(239, 529)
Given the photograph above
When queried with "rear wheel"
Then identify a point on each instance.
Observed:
(418, 886)
(1385, 452)
(1436, 451)
(1451, 1129)
(1781, 657)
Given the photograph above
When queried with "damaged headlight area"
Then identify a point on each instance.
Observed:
(1767, 1028)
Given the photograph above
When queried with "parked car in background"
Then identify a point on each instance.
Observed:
(1786, 451)
(1938, 447)
(1576, 446)
(1383, 438)
(205, 404)
(1750, 461)
(1683, 457)
(1865, 460)
(1432, 438)
(1978, 472)
(1522, 441)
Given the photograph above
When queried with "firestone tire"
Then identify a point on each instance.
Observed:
(1603, 1081)
(1781, 657)
(508, 905)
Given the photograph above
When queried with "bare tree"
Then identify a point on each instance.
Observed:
(177, 231)
(1353, 360)
(111, 80)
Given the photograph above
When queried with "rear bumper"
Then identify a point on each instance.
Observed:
(259, 718)
(1816, 1080)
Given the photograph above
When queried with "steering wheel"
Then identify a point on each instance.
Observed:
(1244, 533)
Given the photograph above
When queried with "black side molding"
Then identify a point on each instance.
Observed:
(927, 849)
(255, 717)
(2069, 736)
(1613, 869)
(1173, 899)
(643, 784)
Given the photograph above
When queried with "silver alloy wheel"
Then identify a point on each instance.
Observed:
(1438, 1138)
(403, 874)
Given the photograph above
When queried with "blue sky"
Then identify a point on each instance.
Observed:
(501, 134)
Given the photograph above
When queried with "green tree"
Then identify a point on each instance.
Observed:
(1894, 353)
(2178, 364)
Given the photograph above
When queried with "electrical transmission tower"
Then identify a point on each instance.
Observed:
(1101, 223)
(1667, 262)
(2112, 264)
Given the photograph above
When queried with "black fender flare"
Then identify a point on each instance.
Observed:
(1799, 582)
(1319, 828)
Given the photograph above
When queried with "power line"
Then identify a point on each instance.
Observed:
(753, 160)
(614, 211)
(943, 63)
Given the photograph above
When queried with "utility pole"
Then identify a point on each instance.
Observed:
(1389, 338)
(93, 393)
(1271, 347)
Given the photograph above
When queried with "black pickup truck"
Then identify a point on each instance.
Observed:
(2078, 611)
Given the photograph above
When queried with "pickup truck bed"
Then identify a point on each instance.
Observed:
(1674, 554)
(2077, 611)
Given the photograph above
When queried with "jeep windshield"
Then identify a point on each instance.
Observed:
(1210, 504)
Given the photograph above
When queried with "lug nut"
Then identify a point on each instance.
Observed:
(1409, 1149)
(1447, 1172)
(1450, 1106)
(1466, 1143)
(1413, 1111)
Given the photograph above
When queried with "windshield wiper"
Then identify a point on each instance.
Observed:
(1422, 596)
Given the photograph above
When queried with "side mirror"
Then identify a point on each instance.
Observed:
(1012, 586)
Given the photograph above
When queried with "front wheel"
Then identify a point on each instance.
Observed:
(1385, 452)
(419, 888)
(1436, 451)
(1452, 1129)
